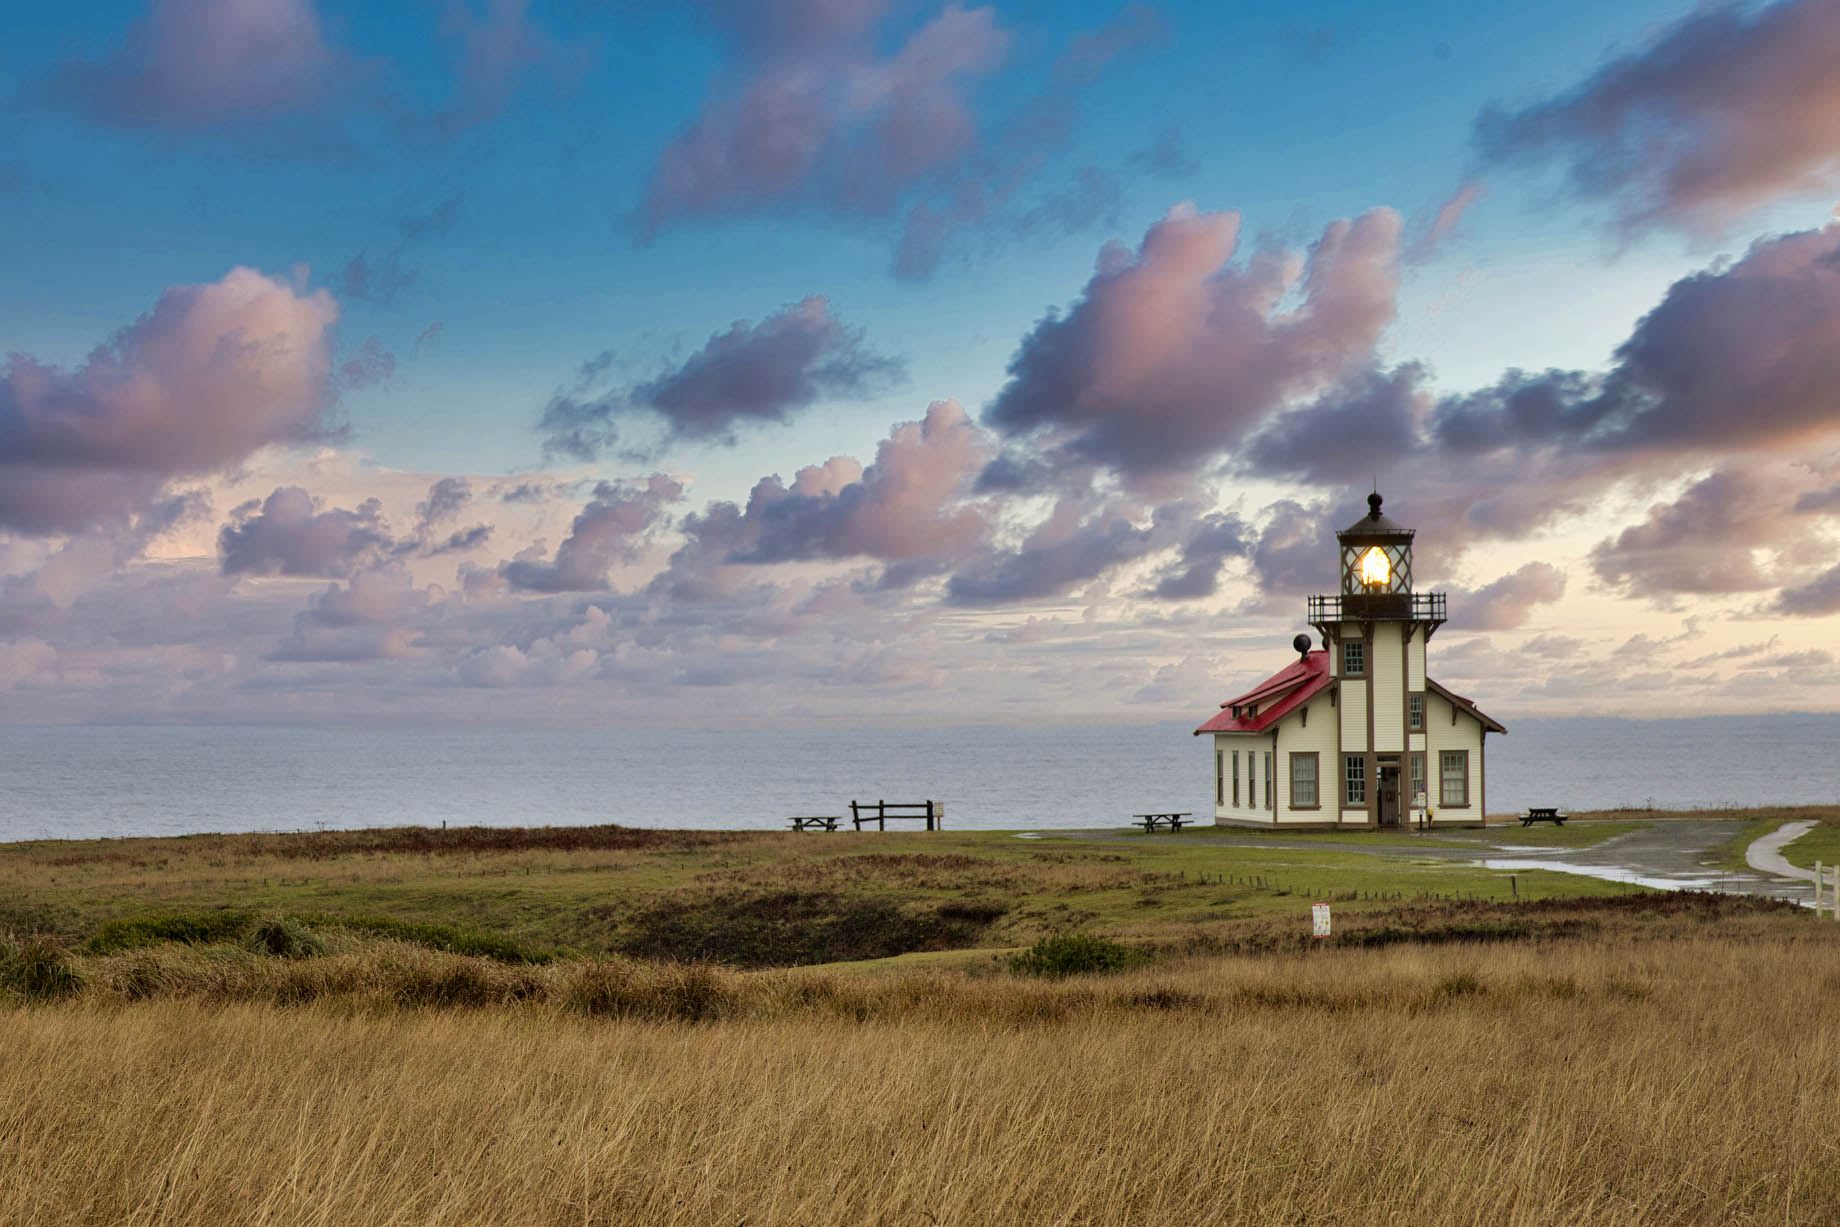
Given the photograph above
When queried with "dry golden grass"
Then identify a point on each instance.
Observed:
(1620, 1081)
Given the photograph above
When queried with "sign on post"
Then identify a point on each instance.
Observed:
(1319, 920)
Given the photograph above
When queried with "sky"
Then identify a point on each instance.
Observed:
(722, 363)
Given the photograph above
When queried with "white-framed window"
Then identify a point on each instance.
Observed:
(1453, 778)
(1303, 781)
(1236, 779)
(1271, 800)
(1354, 657)
(1220, 777)
(1415, 712)
(1252, 779)
(1418, 776)
(1354, 777)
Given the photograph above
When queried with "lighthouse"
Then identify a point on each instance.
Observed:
(1354, 733)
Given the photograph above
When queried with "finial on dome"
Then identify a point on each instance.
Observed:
(1373, 505)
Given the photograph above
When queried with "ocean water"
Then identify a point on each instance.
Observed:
(88, 781)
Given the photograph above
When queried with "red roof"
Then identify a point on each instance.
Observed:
(1275, 697)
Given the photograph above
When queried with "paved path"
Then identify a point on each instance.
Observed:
(1766, 856)
(1668, 855)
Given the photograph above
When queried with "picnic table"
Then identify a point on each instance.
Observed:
(815, 822)
(1537, 813)
(1150, 822)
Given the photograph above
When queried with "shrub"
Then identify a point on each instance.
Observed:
(434, 937)
(796, 928)
(1075, 954)
(37, 968)
(279, 935)
(186, 928)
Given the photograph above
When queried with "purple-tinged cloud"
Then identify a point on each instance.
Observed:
(752, 373)
(1196, 573)
(907, 509)
(1433, 232)
(1817, 598)
(812, 102)
(1735, 530)
(1727, 109)
(446, 498)
(1508, 602)
(370, 363)
(1173, 353)
(287, 534)
(614, 527)
(1076, 544)
(211, 374)
(199, 64)
(369, 619)
(1371, 419)
(379, 281)
(1743, 357)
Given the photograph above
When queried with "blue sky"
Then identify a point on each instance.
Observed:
(550, 245)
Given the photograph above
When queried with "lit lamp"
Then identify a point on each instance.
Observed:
(1375, 570)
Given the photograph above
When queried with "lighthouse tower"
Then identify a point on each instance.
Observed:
(1387, 745)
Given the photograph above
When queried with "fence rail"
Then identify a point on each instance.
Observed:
(1377, 606)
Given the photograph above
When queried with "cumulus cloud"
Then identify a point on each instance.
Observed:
(1816, 598)
(197, 64)
(1074, 545)
(365, 620)
(1507, 602)
(211, 374)
(751, 373)
(287, 534)
(811, 100)
(906, 507)
(1173, 353)
(1724, 110)
(1213, 540)
(613, 527)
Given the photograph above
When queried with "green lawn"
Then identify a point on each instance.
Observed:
(1821, 844)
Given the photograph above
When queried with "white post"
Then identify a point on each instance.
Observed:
(1819, 881)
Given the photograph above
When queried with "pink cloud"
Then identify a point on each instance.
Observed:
(1725, 110)
(211, 374)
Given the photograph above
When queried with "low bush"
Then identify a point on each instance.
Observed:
(449, 938)
(798, 928)
(37, 968)
(1075, 954)
(186, 928)
(279, 935)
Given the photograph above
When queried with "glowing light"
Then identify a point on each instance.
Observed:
(1375, 570)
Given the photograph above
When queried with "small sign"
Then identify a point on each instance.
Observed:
(1319, 920)
(1418, 799)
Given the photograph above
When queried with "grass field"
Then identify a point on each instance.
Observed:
(1624, 1080)
(522, 1027)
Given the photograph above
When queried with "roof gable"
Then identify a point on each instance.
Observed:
(1276, 697)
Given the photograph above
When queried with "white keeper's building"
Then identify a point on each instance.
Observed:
(1355, 733)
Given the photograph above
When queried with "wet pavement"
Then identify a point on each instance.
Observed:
(1670, 855)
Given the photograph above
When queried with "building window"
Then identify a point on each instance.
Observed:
(1415, 712)
(1252, 779)
(1220, 778)
(1354, 774)
(1453, 777)
(1303, 781)
(1236, 779)
(1418, 778)
(1271, 802)
(1354, 658)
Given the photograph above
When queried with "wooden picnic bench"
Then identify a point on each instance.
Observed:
(933, 813)
(815, 822)
(1150, 822)
(1537, 813)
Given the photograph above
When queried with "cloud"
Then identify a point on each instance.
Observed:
(199, 64)
(446, 497)
(211, 374)
(366, 620)
(752, 373)
(1814, 599)
(613, 527)
(286, 534)
(1214, 539)
(1173, 353)
(497, 48)
(1507, 602)
(1739, 528)
(1432, 233)
(1372, 418)
(1074, 545)
(370, 363)
(1721, 112)
(905, 508)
